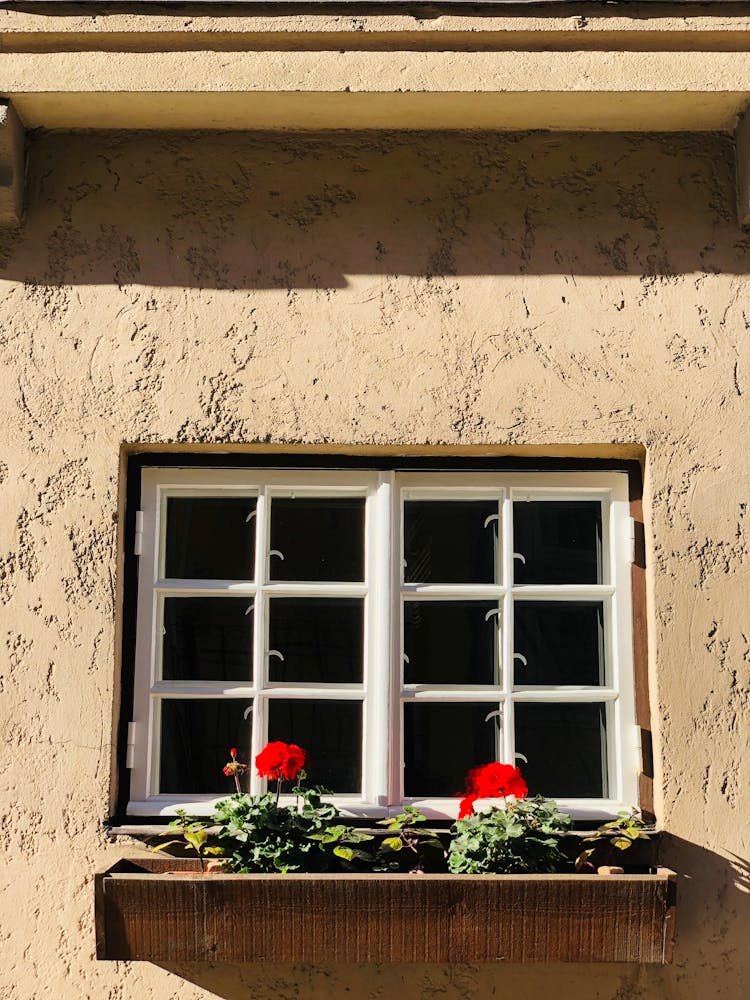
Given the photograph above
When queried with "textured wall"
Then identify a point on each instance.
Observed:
(380, 290)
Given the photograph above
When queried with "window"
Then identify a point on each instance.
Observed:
(403, 627)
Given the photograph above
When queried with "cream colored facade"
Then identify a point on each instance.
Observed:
(416, 272)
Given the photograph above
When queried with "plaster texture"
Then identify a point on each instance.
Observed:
(468, 293)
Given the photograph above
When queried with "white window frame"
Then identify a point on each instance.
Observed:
(383, 692)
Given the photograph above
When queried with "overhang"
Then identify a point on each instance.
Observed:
(167, 70)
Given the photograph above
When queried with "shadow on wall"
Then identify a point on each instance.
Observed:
(225, 211)
(713, 908)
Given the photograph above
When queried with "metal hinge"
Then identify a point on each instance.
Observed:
(130, 749)
(138, 537)
(638, 747)
(631, 538)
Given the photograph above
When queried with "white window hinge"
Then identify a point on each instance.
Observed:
(130, 750)
(631, 538)
(138, 538)
(637, 746)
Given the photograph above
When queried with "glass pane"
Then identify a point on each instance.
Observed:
(331, 734)
(451, 642)
(208, 639)
(196, 737)
(561, 541)
(320, 539)
(563, 642)
(442, 742)
(321, 639)
(210, 538)
(447, 541)
(566, 748)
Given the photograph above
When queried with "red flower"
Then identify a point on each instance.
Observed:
(280, 760)
(466, 806)
(492, 781)
(496, 780)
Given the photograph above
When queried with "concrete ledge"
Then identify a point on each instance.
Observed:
(12, 144)
(512, 112)
(616, 91)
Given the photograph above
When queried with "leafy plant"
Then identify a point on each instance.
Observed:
(523, 837)
(610, 840)
(339, 841)
(193, 835)
(409, 849)
(266, 837)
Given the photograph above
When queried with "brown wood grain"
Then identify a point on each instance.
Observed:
(155, 916)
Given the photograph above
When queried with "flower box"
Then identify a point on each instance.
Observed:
(165, 910)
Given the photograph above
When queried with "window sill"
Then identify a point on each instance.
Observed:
(165, 910)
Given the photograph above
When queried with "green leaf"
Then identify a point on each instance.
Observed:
(393, 843)
(344, 852)
(621, 843)
(214, 851)
(168, 843)
(197, 839)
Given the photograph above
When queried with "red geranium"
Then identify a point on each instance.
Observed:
(466, 806)
(279, 761)
(496, 780)
(492, 781)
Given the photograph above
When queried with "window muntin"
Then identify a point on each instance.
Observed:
(425, 617)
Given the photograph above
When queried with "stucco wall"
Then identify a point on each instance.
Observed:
(380, 290)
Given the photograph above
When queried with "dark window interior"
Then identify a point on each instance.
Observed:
(319, 539)
(210, 538)
(320, 638)
(442, 742)
(451, 541)
(196, 737)
(451, 642)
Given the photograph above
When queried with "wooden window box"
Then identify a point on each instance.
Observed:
(165, 910)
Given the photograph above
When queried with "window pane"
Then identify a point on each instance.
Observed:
(451, 642)
(321, 639)
(320, 539)
(208, 639)
(196, 736)
(331, 734)
(561, 541)
(566, 749)
(446, 541)
(210, 538)
(563, 642)
(442, 742)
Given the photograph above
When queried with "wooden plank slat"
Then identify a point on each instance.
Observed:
(151, 915)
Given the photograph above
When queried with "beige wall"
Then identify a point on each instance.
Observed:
(375, 290)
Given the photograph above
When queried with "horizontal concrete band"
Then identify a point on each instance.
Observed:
(614, 112)
(373, 72)
(504, 90)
